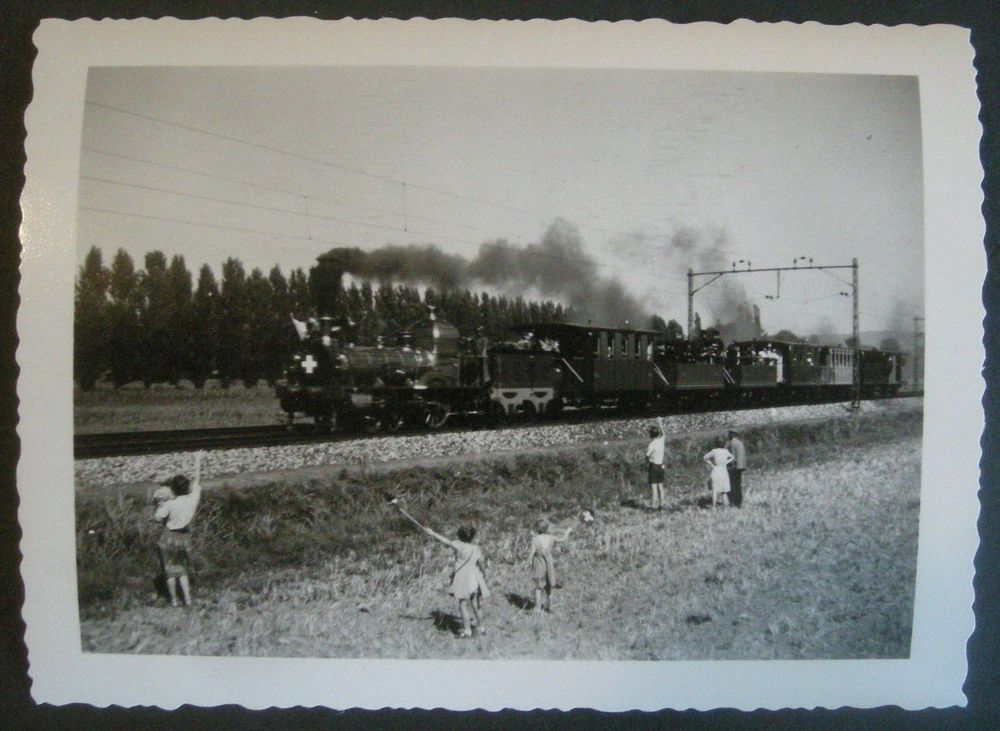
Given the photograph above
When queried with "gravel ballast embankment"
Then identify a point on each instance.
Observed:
(111, 471)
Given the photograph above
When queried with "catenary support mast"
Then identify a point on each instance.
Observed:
(856, 309)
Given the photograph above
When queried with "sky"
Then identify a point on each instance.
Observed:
(643, 173)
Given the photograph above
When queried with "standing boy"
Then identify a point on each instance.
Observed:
(176, 503)
(736, 468)
(654, 466)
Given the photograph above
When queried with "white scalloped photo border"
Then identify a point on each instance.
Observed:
(940, 56)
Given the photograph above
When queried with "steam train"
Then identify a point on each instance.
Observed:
(431, 373)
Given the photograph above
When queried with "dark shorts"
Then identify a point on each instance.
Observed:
(174, 552)
(655, 473)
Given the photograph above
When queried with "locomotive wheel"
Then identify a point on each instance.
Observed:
(393, 420)
(327, 420)
(528, 410)
(437, 414)
(554, 408)
(498, 414)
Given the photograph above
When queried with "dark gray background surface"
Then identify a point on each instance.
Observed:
(18, 20)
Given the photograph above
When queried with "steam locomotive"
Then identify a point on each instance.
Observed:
(431, 372)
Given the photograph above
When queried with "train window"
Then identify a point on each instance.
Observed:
(617, 346)
(597, 344)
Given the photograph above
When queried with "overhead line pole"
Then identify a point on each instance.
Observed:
(856, 317)
(690, 329)
(856, 377)
(917, 346)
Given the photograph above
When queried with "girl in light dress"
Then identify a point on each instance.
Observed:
(468, 580)
(543, 570)
(718, 458)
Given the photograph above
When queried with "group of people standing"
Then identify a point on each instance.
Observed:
(727, 462)
(176, 501)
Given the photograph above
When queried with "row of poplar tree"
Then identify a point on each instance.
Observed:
(156, 325)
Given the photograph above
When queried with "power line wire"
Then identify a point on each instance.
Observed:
(273, 189)
(307, 197)
(337, 166)
(310, 239)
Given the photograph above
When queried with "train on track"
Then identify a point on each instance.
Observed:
(431, 373)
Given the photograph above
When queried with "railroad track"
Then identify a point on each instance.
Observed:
(118, 444)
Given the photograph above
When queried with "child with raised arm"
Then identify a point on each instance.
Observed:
(543, 570)
(176, 502)
(468, 580)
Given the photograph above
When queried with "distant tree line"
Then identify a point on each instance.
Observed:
(157, 325)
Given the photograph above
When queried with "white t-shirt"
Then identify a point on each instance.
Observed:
(179, 512)
(656, 449)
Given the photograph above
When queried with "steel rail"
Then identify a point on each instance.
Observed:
(119, 444)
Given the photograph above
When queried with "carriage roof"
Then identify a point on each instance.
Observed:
(560, 329)
(767, 342)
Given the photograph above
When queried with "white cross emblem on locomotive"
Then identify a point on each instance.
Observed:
(309, 364)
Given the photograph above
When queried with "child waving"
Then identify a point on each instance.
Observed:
(543, 569)
(468, 580)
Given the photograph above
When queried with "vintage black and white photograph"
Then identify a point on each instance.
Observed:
(498, 362)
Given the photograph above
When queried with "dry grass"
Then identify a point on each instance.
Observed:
(106, 409)
(819, 563)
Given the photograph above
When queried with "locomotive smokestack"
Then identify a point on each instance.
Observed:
(325, 280)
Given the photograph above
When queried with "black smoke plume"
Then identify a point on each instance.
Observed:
(733, 314)
(557, 266)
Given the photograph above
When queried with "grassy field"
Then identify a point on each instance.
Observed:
(819, 563)
(133, 408)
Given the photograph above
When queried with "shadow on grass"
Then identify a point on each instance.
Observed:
(676, 507)
(520, 602)
(634, 504)
(160, 586)
(446, 622)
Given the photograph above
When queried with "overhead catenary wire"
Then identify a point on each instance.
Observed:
(341, 167)
(721, 299)
(310, 238)
(312, 214)
(374, 209)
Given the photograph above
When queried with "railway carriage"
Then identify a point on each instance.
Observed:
(881, 372)
(805, 370)
(691, 369)
(596, 364)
